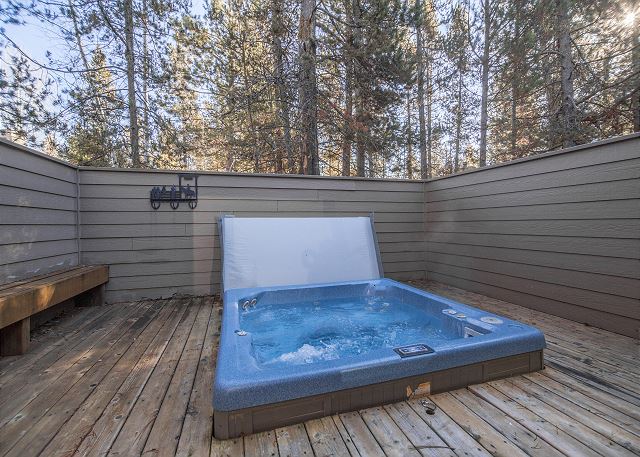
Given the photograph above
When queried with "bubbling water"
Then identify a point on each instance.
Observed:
(320, 330)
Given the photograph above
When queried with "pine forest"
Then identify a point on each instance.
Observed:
(377, 88)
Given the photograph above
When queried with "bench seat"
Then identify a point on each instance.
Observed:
(22, 299)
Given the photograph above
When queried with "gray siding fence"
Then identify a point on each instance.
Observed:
(160, 252)
(558, 232)
(38, 213)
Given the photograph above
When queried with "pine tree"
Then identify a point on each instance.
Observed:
(95, 137)
(24, 117)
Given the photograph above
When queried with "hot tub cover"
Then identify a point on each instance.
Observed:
(280, 251)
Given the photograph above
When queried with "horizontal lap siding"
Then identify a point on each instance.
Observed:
(159, 253)
(560, 234)
(37, 213)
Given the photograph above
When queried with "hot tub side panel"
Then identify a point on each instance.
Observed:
(231, 424)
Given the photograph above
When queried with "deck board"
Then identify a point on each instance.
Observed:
(136, 378)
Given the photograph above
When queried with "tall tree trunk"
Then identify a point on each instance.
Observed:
(145, 81)
(347, 134)
(361, 145)
(409, 161)
(635, 57)
(131, 83)
(429, 114)
(485, 84)
(282, 94)
(247, 97)
(515, 78)
(568, 114)
(456, 159)
(347, 58)
(358, 81)
(308, 89)
(420, 82)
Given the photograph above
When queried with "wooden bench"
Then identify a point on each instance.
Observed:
(22, 299)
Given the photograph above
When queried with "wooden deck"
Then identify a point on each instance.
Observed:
(136, 378)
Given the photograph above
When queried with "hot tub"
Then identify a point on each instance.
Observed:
(292, 353)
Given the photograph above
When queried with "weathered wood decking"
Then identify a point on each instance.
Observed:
(137, 377)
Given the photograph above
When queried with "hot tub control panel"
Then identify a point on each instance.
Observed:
(412, 350)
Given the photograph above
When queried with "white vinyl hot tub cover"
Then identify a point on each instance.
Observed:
(263, 252)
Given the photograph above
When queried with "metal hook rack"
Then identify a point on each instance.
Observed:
(176, 194)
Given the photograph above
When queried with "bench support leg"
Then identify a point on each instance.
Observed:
(14, 339)
(93, 297)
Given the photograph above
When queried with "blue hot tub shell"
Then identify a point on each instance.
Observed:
(250, 396)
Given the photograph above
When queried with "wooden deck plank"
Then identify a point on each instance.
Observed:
(138, 422)
(394, 443)
(579, 414)
(536, 424)
(19, 392)
(153, 370)
(105, 430)
(325, 438)
(195, 438)
(360, 435)
(86, 373)
(261, 445)
(423, 438)
(593, 406)
(293, 441)
(165, 433)
(598, 379)
(460, 442)
(493, 441)
(529, 442)
(570, 425)
(68, 421)
(620, 379)
(346, 438)
(227, 448)
(594, 392)
(54, 334)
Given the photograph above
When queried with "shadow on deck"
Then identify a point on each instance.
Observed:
(136, 378)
